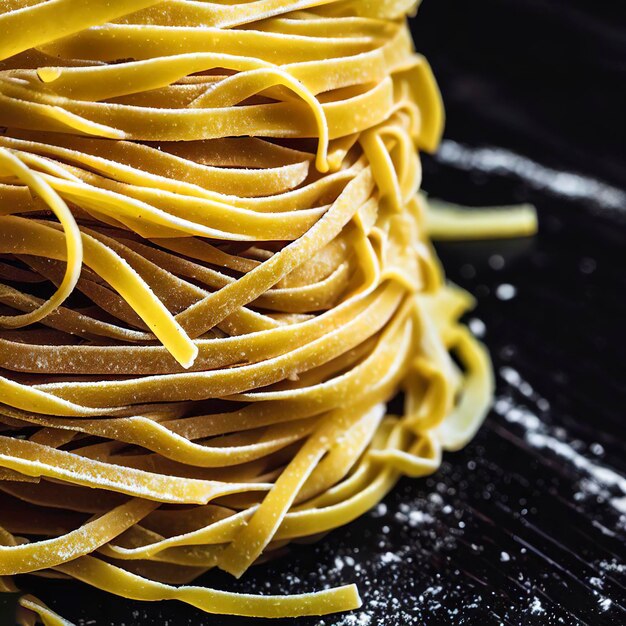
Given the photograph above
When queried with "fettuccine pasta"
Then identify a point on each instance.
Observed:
(215, 273)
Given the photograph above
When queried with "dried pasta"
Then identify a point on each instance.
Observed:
(215, 273)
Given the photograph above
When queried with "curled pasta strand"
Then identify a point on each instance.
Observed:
(73, 241)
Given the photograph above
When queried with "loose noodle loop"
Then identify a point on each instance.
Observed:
(241, 279)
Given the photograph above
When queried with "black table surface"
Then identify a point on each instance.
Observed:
(526, 525)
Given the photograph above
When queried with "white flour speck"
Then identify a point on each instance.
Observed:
(477, 327)
(511, 376)
(505, 291)
(619, 504)
(535, 606)
(380, 510)
(597, 449)
(339, 563)
(496, 261)
(594, 581)
(389, 557)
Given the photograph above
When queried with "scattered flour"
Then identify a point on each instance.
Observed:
(536, 607)
(613, 566)
(413, 517)
(594, 581)
(390, 557)
(356, 619)
(598, 480)
(500, 161)
(603, 475)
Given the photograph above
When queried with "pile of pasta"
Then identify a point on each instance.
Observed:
(215, 274)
